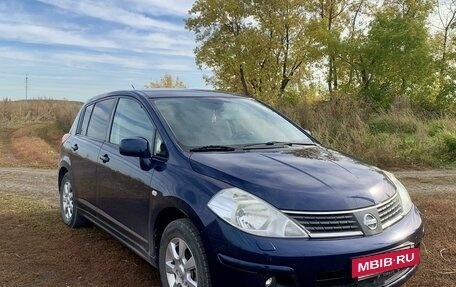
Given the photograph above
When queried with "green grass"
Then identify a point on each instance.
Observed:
(400, 138)
(388, 123)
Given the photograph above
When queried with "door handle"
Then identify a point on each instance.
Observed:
(104, 158)
(75, 147)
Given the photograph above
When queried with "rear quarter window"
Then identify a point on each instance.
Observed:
(85, 120)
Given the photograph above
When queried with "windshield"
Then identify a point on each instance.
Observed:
(225, 121)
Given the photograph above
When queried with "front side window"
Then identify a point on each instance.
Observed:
(206, 121)
(130, 120)
(99, 121)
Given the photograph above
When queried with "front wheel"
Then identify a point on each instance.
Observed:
(182, 259)
(68, 207)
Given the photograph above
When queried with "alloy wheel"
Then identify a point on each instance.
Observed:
(67, 201)
(180, 264)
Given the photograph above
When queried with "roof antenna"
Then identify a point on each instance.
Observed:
(131, 84)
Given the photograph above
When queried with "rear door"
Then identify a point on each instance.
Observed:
(123, 187)
(84, 151)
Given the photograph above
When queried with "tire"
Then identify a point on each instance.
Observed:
(68, 204)
(187, 267)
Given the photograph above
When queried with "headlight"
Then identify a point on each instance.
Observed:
(403, 194)
(253, 215)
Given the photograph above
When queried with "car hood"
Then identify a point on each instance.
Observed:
(303, 179)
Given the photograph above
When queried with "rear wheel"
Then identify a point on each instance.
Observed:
(68, 207)
(182, 259)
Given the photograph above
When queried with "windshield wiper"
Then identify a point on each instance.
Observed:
(273, 144)
(213, 148)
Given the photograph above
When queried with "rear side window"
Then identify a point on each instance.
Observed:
(131, 120)
(99, 121)
(85, 121)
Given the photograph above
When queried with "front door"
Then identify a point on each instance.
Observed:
(124, 191)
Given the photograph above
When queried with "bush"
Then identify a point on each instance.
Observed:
(391, 123)
(64, 116)
(381, 149)
(449, 141)
(397, 138)
(435, 127)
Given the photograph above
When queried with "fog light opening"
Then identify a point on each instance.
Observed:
(271, 282)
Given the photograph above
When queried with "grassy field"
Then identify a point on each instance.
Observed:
(36, 249)
(398, 138)
(30, 131)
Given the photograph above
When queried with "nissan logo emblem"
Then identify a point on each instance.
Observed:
(370, 221)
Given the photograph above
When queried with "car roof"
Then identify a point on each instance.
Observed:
(167, 93)
(162, 93)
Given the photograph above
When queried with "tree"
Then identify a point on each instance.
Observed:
(276, 50)
(330, 19)
(445, 54)
(167, 81)
(397, 57)
(271, 49)
(256, 47)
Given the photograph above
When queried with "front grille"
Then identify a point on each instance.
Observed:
(390, 211)
(341, 279)
(332, 278)
(383, 279)
(328, 223)
(347, 223)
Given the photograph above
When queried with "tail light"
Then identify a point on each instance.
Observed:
(64, 138)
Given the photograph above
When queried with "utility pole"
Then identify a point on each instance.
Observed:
(26, 86)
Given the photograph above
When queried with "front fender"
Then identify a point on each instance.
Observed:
(186, 197)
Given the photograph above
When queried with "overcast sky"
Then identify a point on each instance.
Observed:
(78, 49)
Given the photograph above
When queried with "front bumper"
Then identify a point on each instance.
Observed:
(240, 259)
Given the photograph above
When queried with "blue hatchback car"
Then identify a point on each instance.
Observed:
(215, 189)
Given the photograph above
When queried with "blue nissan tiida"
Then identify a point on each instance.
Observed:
(215, 189)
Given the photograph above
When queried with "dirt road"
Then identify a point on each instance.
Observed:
(39, 184)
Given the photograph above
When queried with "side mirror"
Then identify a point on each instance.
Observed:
(307, 131)
(135, 146)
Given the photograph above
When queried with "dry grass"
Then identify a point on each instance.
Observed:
(438, 261)
(30, 131)
(394, 139)
(36, 249)
(6, 157)
(34, 151)
(399, 138)
(20, 112)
